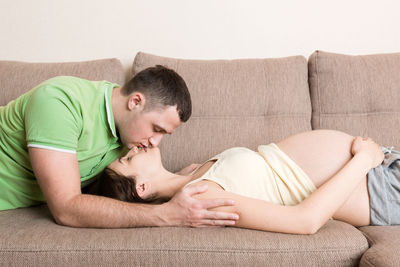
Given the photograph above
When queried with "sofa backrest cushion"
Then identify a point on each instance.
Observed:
(356, 94)
(244, 102)
(17, 78)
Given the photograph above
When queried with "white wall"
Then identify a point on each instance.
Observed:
(74, 30)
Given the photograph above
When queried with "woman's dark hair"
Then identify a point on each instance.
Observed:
(111, 184)
(162, 87)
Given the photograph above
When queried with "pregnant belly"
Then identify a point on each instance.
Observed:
(321, 154)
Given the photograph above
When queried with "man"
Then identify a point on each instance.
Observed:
(66, 130)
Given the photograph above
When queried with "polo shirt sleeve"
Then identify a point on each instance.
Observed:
(53, 120)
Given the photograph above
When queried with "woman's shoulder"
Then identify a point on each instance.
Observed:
(234, 151)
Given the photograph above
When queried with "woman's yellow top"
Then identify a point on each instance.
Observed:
(268, 174)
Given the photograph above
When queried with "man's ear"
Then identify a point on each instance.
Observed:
(142, 189)
(136, 100)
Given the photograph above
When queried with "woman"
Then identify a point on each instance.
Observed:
(293, 186)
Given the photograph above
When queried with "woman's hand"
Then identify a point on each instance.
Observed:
(369, 148)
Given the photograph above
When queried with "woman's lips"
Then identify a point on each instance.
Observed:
(143, 147)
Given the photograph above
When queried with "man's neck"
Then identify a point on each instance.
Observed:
(116, 99)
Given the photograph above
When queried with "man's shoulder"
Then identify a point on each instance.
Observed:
(70, 87)
(65, 78)
(66, 82)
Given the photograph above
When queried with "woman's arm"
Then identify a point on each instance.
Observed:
(308, 216)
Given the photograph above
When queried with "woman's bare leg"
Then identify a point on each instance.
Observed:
(321, 154)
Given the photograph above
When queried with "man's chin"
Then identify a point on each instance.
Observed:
(133, 146)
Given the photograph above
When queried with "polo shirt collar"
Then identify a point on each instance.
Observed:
(110, 117)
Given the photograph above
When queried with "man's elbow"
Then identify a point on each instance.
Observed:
(64, 219)
(60, 221)
(65, 215)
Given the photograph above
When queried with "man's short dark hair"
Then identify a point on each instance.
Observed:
(162, 87)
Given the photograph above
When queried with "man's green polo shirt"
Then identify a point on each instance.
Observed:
(66, 114)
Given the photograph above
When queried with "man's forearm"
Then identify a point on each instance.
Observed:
(101, 212)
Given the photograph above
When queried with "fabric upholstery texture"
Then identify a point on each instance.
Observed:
(235, 103)
(359, 95)
(17, 78)
(245, 102)
(385, 246)
(30, 237)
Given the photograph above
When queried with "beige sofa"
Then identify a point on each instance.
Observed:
(235, 103)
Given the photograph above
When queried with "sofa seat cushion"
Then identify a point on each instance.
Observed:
(17, 78)
(385, 246)
(359, 95)
(30, 237)
(242, 102)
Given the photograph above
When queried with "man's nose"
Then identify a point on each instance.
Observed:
(155, 140)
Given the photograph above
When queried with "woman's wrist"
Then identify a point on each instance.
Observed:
(366, 160)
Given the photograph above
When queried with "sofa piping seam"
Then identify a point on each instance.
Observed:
(195, 250)
(252, 116)
(359, 114)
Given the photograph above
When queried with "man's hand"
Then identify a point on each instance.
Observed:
(188, 170)
(184, 210)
